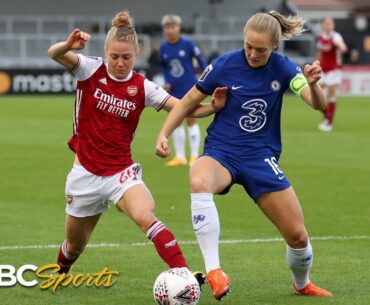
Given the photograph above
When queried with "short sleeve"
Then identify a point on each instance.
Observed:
(86, 66)
(291, 70)
(208, 81)
(337, 38)
(294, 78)
(155, 96)
(194, 49)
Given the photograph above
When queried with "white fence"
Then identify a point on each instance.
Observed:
(22, 51)
(30, 50)
(24, 40)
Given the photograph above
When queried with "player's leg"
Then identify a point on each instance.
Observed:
(137, 202)
(194, 139)
(85, 205)
(332, 102)
(323, 83)
(284, 210)
(178, 138)
(209, 177)
(78, 232)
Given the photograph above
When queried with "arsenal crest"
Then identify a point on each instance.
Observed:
(132, 90)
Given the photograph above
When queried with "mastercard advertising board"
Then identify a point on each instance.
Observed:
(36, 81)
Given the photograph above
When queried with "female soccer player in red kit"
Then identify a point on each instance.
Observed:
(330, 46)
(109, 100)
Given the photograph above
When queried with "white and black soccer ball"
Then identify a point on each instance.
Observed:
(176, 286)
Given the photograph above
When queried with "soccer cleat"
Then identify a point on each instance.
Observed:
(219, 282)
(192, 161)
(325, 126)
(312, 290)
(176, 162)
(201, 278)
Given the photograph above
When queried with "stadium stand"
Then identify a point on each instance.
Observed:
(27, 30)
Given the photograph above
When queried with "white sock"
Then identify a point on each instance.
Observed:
(194, 140)
(179, 142)
(206, 226)
(300, 262)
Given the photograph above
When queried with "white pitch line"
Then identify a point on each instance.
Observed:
(187, 242)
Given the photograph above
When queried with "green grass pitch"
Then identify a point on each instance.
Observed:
(329, 171)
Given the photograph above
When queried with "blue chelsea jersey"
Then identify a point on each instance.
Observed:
(249, 124)
(177, 65)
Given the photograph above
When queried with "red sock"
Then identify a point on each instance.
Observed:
(330, 110)
(65, 261)
(166, 245)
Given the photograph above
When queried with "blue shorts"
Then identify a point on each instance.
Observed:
(257, 174)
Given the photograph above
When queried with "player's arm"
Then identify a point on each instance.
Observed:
(339, 43)
(62, 53)
(165, 72)
(201, 61)
(307, 88)
(201, 110)
(189, 105)
(197, 54)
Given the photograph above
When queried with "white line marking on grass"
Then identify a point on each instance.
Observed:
(187, 242)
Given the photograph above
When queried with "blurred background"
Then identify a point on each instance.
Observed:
(28, 28)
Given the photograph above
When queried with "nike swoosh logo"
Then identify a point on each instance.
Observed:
(281, 177)
(236, 87)
(197, 229)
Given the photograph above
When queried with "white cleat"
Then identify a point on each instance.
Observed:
(325, 126)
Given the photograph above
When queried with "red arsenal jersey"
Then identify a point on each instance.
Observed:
(106, 115)
(331, 57)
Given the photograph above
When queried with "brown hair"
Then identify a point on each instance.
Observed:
(122, 29)
(275, 24)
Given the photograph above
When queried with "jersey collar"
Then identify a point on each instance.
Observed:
(327, 36)
(117, 79)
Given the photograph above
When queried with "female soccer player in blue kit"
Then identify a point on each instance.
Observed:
(176, 56)
(243, 144)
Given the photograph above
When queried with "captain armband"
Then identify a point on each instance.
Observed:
(298, 83)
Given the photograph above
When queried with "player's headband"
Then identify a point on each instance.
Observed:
(274, 16)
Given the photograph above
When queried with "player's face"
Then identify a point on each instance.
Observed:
(172, 31)
(328, 25)
(258, 48)
(121, 57)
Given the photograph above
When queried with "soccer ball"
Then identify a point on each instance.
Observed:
(176, 286)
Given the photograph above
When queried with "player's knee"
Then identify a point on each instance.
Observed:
(145, 219)
(198, 185)
(298, 239)
(75, 249)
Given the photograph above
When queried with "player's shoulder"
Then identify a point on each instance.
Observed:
(186, 40)
(336, 35)
(137, 77)
(93, 60)
(235, 56)
(282, 60)
(163, 45)
(86, 66)
(283, 66)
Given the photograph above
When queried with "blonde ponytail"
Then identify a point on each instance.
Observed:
(122, 29)
(275, 24)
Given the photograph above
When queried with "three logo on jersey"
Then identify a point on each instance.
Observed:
(112, 104)
(256, 116)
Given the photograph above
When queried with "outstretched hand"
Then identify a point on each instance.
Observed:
(161, 149)
(219, 97)
(78, 39)
(312, 72)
